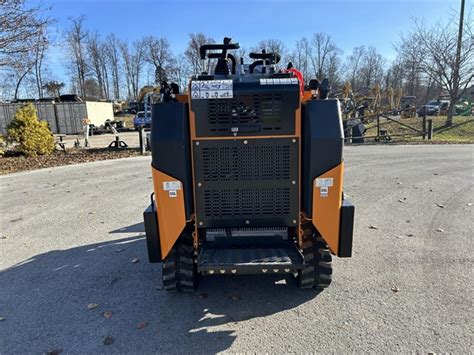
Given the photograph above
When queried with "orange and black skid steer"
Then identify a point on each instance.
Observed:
(247, 173)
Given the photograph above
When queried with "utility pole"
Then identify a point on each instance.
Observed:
(449, 121)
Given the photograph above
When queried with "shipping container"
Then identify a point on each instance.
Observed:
(45, 112)
(62, 117)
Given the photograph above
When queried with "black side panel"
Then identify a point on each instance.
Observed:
(170, 145)
(152, 234)
(346, 229)
(322, 144)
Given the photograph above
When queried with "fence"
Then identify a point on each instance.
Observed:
(354, 133)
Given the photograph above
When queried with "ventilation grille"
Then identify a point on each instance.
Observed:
(246, 182)
(263, 110)
(246, 163)
(246, 203)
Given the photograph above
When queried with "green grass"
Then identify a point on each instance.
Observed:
(461, 134)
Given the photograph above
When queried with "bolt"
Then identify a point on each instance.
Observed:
(200, 223)
(294, 221)
(247, 222)
(245, 141)
(199, 184)
(294, 140)
(293, 182)
(197, 143)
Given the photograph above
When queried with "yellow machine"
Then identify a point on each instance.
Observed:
(247, 175)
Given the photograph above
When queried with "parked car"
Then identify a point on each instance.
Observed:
(434, 108)
(142, 120)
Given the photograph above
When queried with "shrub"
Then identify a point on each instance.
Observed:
(34, 136)
(1, 145)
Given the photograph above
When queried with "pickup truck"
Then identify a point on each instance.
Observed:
(142, 120)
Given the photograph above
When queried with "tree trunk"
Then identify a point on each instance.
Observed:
(20, 79)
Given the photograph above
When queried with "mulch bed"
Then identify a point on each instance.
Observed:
(13, 162)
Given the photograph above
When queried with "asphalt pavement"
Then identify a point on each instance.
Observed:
(72, 237)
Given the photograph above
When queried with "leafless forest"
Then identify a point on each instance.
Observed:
(107, 67)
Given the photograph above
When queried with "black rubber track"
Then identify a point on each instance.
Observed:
(179, 269)
(317, 272)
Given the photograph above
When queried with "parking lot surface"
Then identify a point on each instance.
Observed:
(72, 239)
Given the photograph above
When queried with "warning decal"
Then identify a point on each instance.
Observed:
(212, 89)
(324, 182)
(279, 81)
(171, 185)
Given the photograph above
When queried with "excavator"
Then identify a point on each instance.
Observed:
(248, 172)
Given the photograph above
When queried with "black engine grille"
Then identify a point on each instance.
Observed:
(262, 109)
(246, 162)
(250, 182)
(262, 113)
(250, 202)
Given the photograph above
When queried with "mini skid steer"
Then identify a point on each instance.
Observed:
(247, 174)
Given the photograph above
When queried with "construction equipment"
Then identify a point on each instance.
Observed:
(408, 106)
(464, 107)
(248, 175)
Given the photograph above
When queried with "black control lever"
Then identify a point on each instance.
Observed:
(220, 46)
(274, 58)
(219, 56)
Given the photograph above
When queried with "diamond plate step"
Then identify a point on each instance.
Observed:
(280, 260)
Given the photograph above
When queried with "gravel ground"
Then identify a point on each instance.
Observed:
(72, 237)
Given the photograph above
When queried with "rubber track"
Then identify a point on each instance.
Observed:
(179, 272)
(317, 272)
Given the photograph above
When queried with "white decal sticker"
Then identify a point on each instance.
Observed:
(173, 193)
(279, 81)
(326, 182)
(324, 191)
(171, 185)
(212, 89)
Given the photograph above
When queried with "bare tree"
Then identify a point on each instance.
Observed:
(112, 52)
(301, 57)
(53, 88)
(20, 27)
(353, 65)
(241, 53)
(76, 39)
(21, 67)
(158, 53)
(443, 62)
(196, 40)
(323, 49)
(333, 69)
(96, 63)
(133, 59)
(371, 70)
(395, 74)
(38, 67)
(411, 55)
(180, 72)
(272, 45)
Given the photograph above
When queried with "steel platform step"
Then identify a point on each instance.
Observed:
(279, 260)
